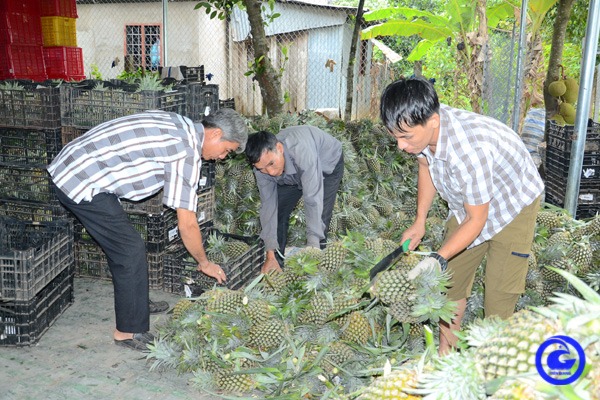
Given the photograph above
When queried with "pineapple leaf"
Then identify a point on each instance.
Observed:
(588, 293)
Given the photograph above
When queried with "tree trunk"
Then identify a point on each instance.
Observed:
(563, 13)
(268, 78)
(352, 61)
(479, 55)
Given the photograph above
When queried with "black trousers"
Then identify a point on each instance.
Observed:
(106, 221)
(288, 197)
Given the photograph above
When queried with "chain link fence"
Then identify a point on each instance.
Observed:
(309, 44)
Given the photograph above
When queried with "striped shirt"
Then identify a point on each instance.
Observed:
(134, 157)
(479, 160)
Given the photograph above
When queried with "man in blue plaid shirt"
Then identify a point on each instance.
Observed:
(132, 158)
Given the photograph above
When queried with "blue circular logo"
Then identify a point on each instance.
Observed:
(561, 360)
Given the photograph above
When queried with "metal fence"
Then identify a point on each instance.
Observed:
(309, 44)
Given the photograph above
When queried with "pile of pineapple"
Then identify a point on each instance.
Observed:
(322, 329)
(318, 327)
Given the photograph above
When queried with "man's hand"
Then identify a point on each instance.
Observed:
(434, 261)
(213, 270)
(270, 264)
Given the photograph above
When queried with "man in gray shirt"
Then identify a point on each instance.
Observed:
(300, 162)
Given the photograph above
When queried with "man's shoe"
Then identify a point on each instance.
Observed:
(158, 306)
(139, 341)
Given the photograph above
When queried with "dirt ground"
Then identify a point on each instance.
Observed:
(77, 359)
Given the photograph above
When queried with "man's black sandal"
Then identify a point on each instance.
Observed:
(139, 341)
(158, 306)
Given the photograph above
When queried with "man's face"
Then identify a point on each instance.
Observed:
(415, 139)
(214, 148)
(271, 162)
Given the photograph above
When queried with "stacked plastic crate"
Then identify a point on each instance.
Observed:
(558, 159)
(21, 54)
(62, 57)
(36, 238)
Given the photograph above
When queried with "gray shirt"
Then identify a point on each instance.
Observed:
(309, 153)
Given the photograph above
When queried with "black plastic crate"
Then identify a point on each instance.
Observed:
(29, 105)
(26, 183)
(29, 147)
(69, 133)
(22, 323)
(154, 204)
(202, 100)
(33, 211)
(193, 74)
(151, 227)
(227, 103)
(558, 151)
(584, 210)
(180, 272)
(31, 255)
(89, 104)
(90, 261)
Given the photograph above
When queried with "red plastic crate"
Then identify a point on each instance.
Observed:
(21, 6)
(22, 62)
(19, 28)
(63, 8)
(64, 63)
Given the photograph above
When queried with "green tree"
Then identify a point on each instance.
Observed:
(462, 22)
(267, 76)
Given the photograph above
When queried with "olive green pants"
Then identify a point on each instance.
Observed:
(506, 263)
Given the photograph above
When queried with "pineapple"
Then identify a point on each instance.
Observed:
(393, 286)
(357, 330)
(181, 307)
(333, 257)
(234, 382)
(225, 301)
(267, 334)
(549, 219)
(517, 389)
(234, 249)
(393, 386)
(318, 310)
(512, 350)
(258, 310)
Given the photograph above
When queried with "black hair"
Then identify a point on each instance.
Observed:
(408, 102)
(257, 144)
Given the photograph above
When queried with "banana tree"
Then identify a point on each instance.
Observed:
(462, 22)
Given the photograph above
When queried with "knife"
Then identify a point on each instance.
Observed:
(388, 260)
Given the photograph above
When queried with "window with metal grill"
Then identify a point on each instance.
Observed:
(143, 46)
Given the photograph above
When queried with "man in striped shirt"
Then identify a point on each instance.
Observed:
(482, 169)
(134, 157)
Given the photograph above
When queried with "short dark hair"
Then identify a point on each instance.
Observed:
(257, 144)
(409, 102)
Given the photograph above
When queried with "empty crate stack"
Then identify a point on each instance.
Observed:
(63, 59)
(21, 53)
(558, 159)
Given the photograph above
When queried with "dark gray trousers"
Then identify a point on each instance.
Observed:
(106, 221)
(288, 197)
